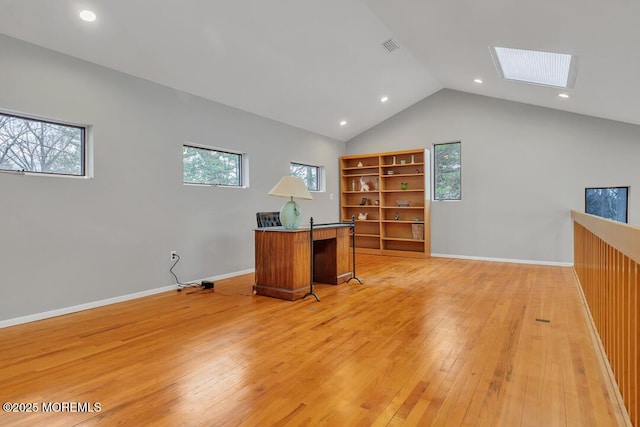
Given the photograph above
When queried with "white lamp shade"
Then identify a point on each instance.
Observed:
(291, 186)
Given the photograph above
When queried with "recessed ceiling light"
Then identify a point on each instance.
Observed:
(535, 67)
(563, 95)
(384, 99)
(87, 15)
(479, 81)
(343, 123)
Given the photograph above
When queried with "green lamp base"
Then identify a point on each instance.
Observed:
(290, 215)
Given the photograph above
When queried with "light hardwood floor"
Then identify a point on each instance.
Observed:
(423, 342)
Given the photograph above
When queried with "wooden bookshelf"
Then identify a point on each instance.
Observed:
(392, 210)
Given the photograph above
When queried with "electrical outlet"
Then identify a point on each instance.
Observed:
(173, 255)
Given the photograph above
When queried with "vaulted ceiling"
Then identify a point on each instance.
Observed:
(314, 63)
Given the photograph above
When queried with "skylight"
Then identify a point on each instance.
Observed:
(531, 66)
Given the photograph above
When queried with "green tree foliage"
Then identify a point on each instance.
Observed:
(447, 171)
(205, 166)
(309, 174)
(36, 146)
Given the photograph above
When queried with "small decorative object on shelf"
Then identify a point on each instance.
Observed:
(389, 172)
(363, 185)
(376, 202)
(362, 216)
(397, 216)
(413, 158)
(360, 164)
(417, 231)
(403, 162)
(404, 185)
(353, 185)
(394, 160)
(364, 201)
(375, 184)
(403, 203)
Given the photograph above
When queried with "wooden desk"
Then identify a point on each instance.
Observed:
(283, 259)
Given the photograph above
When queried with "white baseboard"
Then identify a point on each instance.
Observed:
(228, 275)
(108, 301)
(514, 261)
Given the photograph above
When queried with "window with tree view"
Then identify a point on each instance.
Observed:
(447, 171)
(37, 146)
(607, 202)
(309, 174)
(211, 167)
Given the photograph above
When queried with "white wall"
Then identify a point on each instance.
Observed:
(523, 169)
(66, 241)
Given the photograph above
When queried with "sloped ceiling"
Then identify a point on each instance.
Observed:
(312, 64)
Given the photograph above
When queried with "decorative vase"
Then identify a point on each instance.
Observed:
(404, 185)
(413, 159)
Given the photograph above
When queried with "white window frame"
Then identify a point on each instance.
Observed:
(243, 174)
(320, 171)
(435, 181)
(86, 165)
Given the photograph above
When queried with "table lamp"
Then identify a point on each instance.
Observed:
(291, 186)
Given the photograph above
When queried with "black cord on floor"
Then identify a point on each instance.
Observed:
(181, 285)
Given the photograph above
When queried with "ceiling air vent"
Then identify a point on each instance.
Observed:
(391, 45)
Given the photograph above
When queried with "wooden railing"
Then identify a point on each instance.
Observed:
(606, 259)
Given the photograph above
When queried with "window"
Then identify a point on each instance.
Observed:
(447, 168)
(37, 146)
(607, 202)
(309, 174)
(535, 67)
(211, 167)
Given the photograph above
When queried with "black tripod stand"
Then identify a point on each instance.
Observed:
(311, 291)
(353, 249)
(352, 227)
